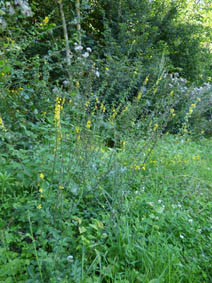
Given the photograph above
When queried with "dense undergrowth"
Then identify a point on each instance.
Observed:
(74, 209)
(105, 141)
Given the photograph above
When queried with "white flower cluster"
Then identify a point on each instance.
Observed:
(79, 48)
(85, 54)
(12, 7)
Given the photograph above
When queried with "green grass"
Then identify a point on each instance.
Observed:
(96, 217)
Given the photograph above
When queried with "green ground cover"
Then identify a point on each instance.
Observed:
(101, 215)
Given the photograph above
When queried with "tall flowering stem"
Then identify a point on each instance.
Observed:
(57, 111)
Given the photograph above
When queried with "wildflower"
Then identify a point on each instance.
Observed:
(146, 80)
(87, 103)
(39, 206)
(143, 167)
(89, 49)
(2, 74)
(2, 125)
(106, 69)
(77, 47)
(197, 157)
(46, 20)
(172, 110)
(76, 130)
(181, 236)
(70, 258)
(61, 187)
(40, 190)
(78, 137)
(198, 99)
(88, 124)
(85, 55)
(172, 92)
(139, 95)
(194, 157)
(77, 84)
(155, 127)
(42, 176)
(102, 107)
(97, 74)
(58, 108)
(137, 167)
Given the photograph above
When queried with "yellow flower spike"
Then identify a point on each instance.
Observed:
(172, 110)
(87, 103)
(78, 137)
(139, 95)
(155, 127)
(146, 80)
(2, 125)
(39, 206)
(194, 157)
(76, 130)
(197, 157)
(143, 167)
(88, 124)
(172, 92)
(42, 176)
(46, 20)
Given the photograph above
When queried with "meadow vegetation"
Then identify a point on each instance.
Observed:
(105, 145)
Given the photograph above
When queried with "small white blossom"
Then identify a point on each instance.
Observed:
(97, 74)
(89, 49)
(78, 47)
(70, 258)
(181, 236)
(85, 55)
